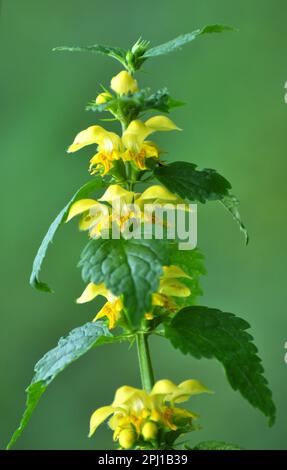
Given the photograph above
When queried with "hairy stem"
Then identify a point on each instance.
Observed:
(146, 371)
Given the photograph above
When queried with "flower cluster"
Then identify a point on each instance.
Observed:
(132, 145)
(149, 420)
(169, 288)
(120, 207)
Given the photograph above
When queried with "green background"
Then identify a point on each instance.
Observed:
(234, 121)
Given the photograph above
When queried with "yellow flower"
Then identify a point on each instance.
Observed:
(123, 83)
(138, 415)
(109, 147)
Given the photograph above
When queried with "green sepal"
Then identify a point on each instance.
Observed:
(93, 185)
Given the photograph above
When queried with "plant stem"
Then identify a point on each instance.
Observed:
(146, 371)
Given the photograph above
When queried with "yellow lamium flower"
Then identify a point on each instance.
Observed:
(138, 416)
(123, 83)
(113, 308)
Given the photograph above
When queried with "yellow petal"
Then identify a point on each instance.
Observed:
(92, 291)
(123, 83)
(116, 192)
(79, 207)
(174, 272)
(161, 123)
(135, 134)
(98, 417)
(164, 387)
(91, 135)
(189, 388)
(174, 288)
(123, 394)
(103, 97)
(158, 192)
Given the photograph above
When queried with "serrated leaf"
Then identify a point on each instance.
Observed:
(216, 445)
(94, 184)
(128, 268)
(180, 41)
(231, 203)
(192, 263)
(114, 52)
(184, 179)
(209, 333)
(69, 349)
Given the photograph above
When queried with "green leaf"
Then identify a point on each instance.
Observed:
(192, 263)
(177, 43)
(114, 52)
(209, 333)
(130, 268)
(216, 445)
(184, 179)
(89, 187)
(231, 203)
(69, 349)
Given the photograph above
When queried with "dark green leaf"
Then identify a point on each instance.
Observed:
(130, 268)
(89, 187)
(184, 179)
(209, 333)
(216, 445)
(69, 349)
(231, 203)
(114, 52)
(183, 39)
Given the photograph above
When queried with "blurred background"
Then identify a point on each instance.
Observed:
(235, 121)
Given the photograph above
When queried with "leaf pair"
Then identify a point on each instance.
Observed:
(133, 58)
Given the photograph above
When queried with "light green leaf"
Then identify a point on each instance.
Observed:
(114, 52)
(69, 349)
(209, 333)
(216, 445)
(130, 268)
(93, 185)
(177, 43)
(231, 203)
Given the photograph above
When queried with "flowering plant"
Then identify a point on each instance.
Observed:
(151, 286)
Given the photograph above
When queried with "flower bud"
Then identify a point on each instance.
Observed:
(127, 438)
(124, 83)
(149, 431)
(103, 97)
